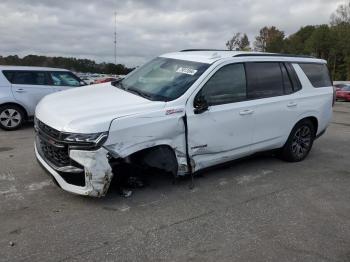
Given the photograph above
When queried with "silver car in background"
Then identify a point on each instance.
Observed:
(21, 88)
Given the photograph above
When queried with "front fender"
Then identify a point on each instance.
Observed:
(130, 134)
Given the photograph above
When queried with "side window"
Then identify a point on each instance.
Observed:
(64, 79)
(293, 77)
(40, 78)
(318, 74)
(288, 87)
(30, 78)
(227, 85)
(264, 80)
(22, 78)
(9, 75)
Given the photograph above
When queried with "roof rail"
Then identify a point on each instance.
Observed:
(193, 50)
(274, 55)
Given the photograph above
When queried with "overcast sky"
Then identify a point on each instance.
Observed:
(84, 28)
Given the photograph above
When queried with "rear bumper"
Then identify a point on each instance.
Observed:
(98, 172)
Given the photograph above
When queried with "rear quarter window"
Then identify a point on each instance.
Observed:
(8, 75)
(318, 74)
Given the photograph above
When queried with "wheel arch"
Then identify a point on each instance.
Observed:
(313, 120)
(18, 105)
(161, 156)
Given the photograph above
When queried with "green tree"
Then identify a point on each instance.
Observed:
(238, 42)
(321, 42)
(234, 42)
(244, 43)
(71, 63)
(295, 43)
(270, 39)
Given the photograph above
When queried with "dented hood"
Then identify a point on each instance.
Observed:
(90, 109)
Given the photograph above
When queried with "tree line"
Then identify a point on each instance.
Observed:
(71, 63)
(327, 41)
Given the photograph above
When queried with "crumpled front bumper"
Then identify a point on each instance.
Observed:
(98, 172)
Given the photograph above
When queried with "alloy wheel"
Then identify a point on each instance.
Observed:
(10, 118)
(302, 141)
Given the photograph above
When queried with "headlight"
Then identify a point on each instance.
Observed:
(36, 126)
(94, 139)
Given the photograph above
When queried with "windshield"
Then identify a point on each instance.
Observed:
(163, 79)
(346, 88)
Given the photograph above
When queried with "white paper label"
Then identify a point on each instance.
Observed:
(186, 70)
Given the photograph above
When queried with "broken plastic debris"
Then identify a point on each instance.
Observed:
(125, 193)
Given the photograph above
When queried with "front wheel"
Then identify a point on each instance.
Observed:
(299, 142)
(11, 117)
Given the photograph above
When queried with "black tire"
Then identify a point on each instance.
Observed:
(299, 142)
(12, 117)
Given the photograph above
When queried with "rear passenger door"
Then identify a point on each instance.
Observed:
(29, 87)
(64, 80)
(271, 87)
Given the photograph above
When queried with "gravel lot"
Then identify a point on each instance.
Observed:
(257, 209)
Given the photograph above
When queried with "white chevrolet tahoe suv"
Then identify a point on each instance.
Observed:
(183, 112)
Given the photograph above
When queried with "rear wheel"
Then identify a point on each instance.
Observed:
(299, 142)
(11, 117)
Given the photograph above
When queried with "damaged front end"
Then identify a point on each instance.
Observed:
(85, 163)
(77, 163)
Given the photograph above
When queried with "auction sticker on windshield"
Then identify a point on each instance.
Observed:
(186, 70)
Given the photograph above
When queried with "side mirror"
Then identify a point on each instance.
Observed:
(200, 105)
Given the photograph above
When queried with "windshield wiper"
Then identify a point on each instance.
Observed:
(131, 90)
(153, 97)
(140, 93)
(118, 84)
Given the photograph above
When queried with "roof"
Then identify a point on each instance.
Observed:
(31, 68)
(211, 56)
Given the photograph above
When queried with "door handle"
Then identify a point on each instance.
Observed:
(292, 104)
(20, 90)
(246, 112)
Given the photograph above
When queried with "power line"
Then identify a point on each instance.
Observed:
(115, 37)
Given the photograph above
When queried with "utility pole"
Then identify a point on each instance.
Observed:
(115, 37)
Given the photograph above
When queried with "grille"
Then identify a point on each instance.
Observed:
(51, 145)
(56, 155)
(51, 132)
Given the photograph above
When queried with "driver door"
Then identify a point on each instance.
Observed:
(223, 130)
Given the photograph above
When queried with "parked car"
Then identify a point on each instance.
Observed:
(105, 80)
(87, 80)
(183, 112)
(344, 93)
(339, 86)
(21, 88)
